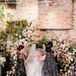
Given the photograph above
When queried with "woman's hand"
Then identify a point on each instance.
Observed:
(42, 58)
(27, 60)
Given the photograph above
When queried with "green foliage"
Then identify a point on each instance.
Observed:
(9, 62)
(3, 37)
(21, 23)
(39, 43)
(13, 31)
(59, 63)
(70, 49)
(1, 12)
(73, 45)
(15, 28)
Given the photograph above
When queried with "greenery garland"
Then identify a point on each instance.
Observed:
(15, 28)
(39, 43)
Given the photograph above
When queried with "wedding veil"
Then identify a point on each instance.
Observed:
(32, 50)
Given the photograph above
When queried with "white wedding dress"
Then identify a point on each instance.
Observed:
(34, 67)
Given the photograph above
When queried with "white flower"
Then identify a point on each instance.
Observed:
(60, 40)
(2, 60)
(12, 67)
(19, 36)
(10, 72)
(68, 71)
(71, 59)
(14, 56)
(13, 71)
(29, 31)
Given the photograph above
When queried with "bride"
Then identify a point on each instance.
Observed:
(35, 63)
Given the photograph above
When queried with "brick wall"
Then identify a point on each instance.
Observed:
(64, 34)
(28, 9)
(25, 9)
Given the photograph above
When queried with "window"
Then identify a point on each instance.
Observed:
(2, 0)
(8, 1)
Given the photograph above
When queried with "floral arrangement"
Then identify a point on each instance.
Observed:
(7, 61)
(63, 51)
(7, 38)
(65, 55)
(32, 35)
(15, 28)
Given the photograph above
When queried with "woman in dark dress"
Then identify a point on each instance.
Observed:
(21, 59)
(49, 67)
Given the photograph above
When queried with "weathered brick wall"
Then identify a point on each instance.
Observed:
(64, 34)
(56, 14)
(25, 9)
(28, 9)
